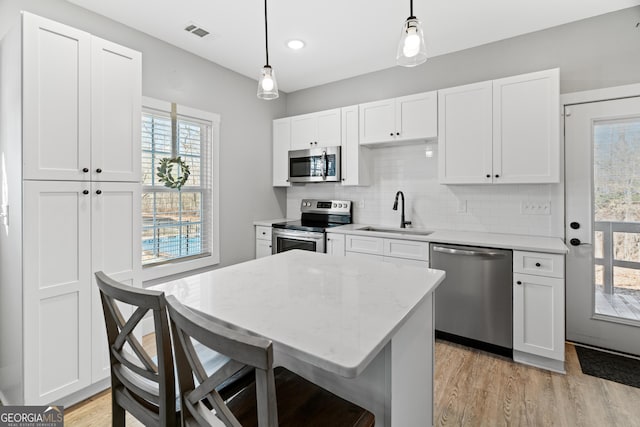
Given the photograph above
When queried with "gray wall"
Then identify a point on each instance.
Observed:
(593, 53)
(172, 74)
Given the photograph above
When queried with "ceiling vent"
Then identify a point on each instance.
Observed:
(196, 29)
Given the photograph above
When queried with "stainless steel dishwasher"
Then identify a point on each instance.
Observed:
(474, 304)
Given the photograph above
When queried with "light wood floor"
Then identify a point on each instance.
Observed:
(473, 388)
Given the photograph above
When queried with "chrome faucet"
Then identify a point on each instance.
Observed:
(403, 223)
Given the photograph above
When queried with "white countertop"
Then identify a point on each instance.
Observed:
(335, 313)
(471, 238)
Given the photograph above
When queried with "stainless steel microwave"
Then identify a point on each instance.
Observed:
(315, 165)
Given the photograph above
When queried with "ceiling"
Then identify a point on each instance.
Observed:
(344, 38)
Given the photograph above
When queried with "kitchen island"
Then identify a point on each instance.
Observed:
(361, 329)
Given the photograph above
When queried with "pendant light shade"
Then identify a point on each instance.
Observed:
(411, 48)
(267, 85)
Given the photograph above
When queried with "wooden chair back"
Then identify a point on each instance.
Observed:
(139, 385)
(241, 349)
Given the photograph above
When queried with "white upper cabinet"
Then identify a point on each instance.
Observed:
(465, 139)
(116, 88)
(355, 158)
(56, 64)
(504, 131)
(404, 119)
(526, 133)
(75, 88)
(314, 130)
(281, 147)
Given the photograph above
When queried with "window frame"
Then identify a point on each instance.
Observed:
(152, 273)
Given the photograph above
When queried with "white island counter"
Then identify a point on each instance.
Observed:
(362, 329)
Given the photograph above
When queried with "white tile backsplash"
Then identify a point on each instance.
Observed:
(492, 208)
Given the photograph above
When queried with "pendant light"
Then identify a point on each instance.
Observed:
(267, 85)
(411, 48)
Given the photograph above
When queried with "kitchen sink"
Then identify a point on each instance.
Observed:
(409, 231)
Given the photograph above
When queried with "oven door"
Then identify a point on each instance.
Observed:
(286, 240)
(315, 165)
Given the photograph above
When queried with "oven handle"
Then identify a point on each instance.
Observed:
(297, 234)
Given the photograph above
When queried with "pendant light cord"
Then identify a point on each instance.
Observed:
(266, 33)
(410, 7)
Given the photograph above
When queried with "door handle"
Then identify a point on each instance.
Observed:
(324, 165)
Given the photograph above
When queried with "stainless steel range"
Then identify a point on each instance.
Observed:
(308, 233)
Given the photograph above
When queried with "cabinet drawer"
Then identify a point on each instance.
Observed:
(363, 244)
(539, 264)
(263, 233)
(406, 249)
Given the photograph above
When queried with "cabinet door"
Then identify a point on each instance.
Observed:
(56, 100)
(263, 248)
(409, 249)
(355, 158)
(538, 315)
(417, 116)
(377, 121)
(115, 250)
(465, 134)
(281, 147)
(335, 244)
(364, 244)
(526, 135)
(57, 289)
(116, 92)
(304, 132)
(328, 131)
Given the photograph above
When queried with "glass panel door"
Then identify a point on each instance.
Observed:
(616, 187)
(602, 192)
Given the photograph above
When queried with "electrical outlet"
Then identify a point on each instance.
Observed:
(360, 204)
(462, 206)
(535, 207)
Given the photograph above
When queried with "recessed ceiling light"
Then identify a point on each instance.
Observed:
(295, 44)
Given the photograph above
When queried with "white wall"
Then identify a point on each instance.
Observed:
(172, 74)
(492, 208)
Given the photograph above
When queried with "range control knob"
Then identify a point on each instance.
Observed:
(335, 205)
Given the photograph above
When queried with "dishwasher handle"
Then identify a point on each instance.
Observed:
(468, 252)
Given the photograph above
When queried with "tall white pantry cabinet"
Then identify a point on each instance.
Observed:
(69, 204)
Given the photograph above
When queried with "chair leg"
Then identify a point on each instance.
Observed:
(118, 415)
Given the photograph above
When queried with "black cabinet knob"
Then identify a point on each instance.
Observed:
(99, 170)
(538, 264)
(575, 242)
(85, 192)
(398, 133)
(574, 225)
(497, 176)
(85, 170)
(98, 191)
(519, 282)
(391, 134)
(488, 176)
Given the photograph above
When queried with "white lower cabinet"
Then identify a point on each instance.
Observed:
(335, 244)
(263, 241)
(395, 251)
(72, 229)
(538, 311)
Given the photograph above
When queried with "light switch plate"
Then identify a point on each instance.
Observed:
(530, 207)
(360, 204)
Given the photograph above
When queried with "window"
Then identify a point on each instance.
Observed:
(179, 227)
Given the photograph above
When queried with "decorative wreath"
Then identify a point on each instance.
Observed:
(165, 168)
